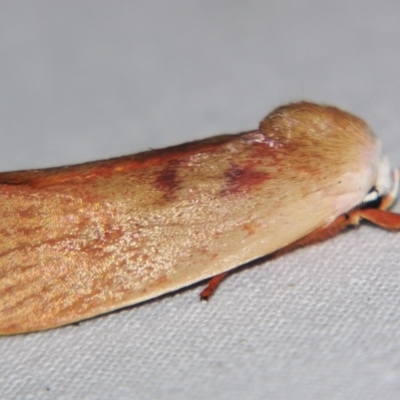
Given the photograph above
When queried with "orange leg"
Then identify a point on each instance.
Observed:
(316, 236)
(382, 218)
(212, 285)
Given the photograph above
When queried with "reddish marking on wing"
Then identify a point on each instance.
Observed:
(167, 180)
(163, 279)
(251, 173)
(243, 179)
(249, 229)
(27, 213)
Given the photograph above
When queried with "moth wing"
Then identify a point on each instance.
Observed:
(80, 241)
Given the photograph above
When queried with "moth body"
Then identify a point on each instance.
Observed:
(83, 240)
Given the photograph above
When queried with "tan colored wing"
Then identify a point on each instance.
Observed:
(83, 240)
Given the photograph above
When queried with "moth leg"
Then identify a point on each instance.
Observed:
(382, 218)
(385, 219)
(319, 235)
(212, 286)
(316, 236)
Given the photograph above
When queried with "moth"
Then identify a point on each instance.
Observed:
(83, 240)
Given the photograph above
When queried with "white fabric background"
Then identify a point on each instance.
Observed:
(88, 80)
